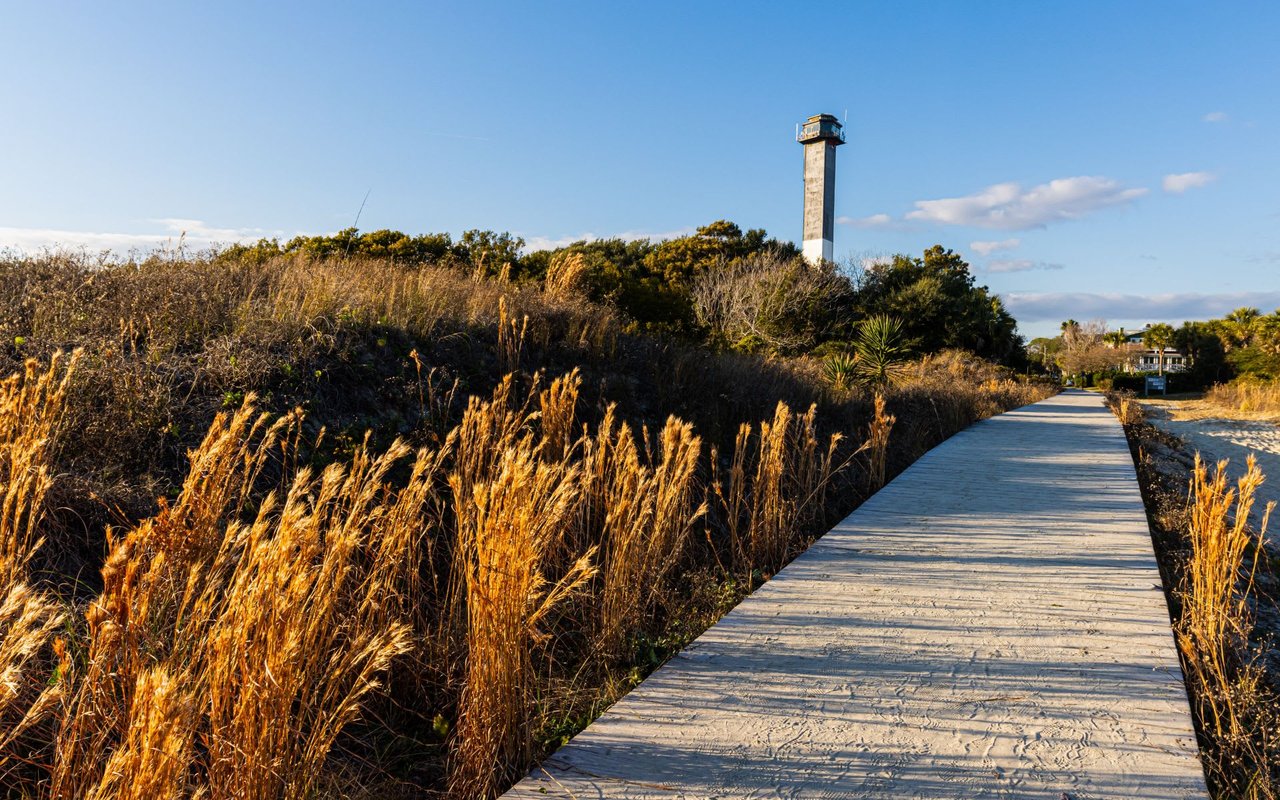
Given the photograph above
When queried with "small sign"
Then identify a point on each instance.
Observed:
(1155, 383)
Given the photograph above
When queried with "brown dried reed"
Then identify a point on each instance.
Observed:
(242, 628)
(273, 628)
(877, 444)
(508, 525)
(789, 474)
(566, 276)
(1251, 396)
(32, 405)
(649, 507)
(1236, 708)
(511, 333)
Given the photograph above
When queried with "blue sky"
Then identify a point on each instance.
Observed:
(1115, 160)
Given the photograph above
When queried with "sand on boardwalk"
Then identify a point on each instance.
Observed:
(1217, 434)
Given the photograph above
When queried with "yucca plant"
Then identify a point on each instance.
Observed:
(841, 370)
(880, 351)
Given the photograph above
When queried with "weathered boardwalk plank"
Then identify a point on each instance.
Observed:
(989, 625)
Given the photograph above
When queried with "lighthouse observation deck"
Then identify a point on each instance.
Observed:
(821, 127)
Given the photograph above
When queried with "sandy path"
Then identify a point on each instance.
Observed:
(989, 625)
(1206, 429)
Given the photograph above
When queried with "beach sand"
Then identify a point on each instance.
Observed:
(1218, 434)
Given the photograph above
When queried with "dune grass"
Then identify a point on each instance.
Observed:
(1211, 558)
(1237, 707)
(398, 560)
(1251, 396)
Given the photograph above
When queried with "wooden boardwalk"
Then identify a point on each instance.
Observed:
(989, 625)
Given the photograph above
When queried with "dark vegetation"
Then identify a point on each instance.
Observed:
(539, 475)
(1243, 346)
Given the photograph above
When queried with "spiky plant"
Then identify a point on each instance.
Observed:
(881, 351)
(841, 370)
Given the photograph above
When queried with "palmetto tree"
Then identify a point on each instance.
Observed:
(1241, 325)
(1158, 337)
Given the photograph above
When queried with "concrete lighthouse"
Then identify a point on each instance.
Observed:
(820, 134)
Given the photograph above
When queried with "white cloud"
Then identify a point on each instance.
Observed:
(197, 235)
(987, 248)
(1051, 306)
(195, 228)
(533, 244)
(873, 221)
(1006, 206)
(1215, 116)
(636, 236)
(1019, 265)
(1180, 182)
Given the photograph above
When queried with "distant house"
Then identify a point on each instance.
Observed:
(1147, 359)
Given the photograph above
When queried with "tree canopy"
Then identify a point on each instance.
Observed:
(940, 304)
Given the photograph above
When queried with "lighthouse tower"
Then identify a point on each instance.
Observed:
(821, 134)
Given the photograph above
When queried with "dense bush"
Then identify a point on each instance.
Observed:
(1175, 382)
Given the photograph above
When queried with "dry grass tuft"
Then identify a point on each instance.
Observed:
(1126, 408)
(649, 507)
(32, 405)
(1236, 708)
(153, 759)
(1248, 396)
(566, 276)
(558, 408)
(877, 444)
(274, 626)
(511, 333)
(776, 488)
(28, 621)
(507, 526)
(301, 618)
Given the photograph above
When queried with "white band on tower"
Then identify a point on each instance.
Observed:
(816, 250)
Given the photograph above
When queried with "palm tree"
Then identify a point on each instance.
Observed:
(1117, 341)
(1242, 324)
(1158, 337)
